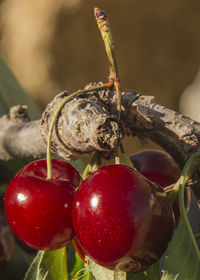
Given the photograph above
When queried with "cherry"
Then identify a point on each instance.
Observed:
(39, 210)
(122, 221)
(157, 166)
(61, 170)
(161, 169)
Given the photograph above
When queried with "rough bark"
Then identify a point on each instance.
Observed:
(20, 138)
(88, 123)
(176, 133)
(85, 124)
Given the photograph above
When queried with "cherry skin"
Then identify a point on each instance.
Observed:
(60, 170)
(122, 221)
(39, 210)
(157, 166)
(161, 169)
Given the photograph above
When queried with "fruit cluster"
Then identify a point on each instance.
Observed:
(121, 219)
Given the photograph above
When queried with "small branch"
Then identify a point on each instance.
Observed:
(89, 123)
(20, 138)
(84, 125)
(177, 134)
(86, 121)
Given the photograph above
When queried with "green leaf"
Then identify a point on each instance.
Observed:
(9, 169)
(11, 93)
(50, 265)
(17, 266)
(78, 264)
(181, 262)
(151, 274)
(70, 257)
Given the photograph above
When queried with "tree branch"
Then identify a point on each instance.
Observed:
(82, 119)
(176, 133)
(20, 138)
(88, 123)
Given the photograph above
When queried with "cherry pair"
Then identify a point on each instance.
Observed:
(116, 213)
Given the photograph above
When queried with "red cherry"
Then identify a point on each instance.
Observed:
(79, 249)
(60, 170)
(39, 210)
(117, 216)
(157, 166)
(161, 169)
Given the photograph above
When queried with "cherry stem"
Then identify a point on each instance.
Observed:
(84, 273)
(104, 27)
(79, 274)
(117, 158)
(89, 167)
(190, 167)
(174, 192)
(59, 108)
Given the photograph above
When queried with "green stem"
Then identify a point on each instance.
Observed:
(174, 192)
(188, 170)
(88, 168)
(117, 158)
(79, 274)
(89, 276)
(104, 27)
(184, 215)
(59, 108)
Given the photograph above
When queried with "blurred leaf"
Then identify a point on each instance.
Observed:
(70, 257)
(181, 262)
(11, 93)
(10, 168)
(18, 265)
(151, 274)
(78, 264)
(51, 265)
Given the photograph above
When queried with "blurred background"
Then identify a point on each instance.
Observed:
(55, 45)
